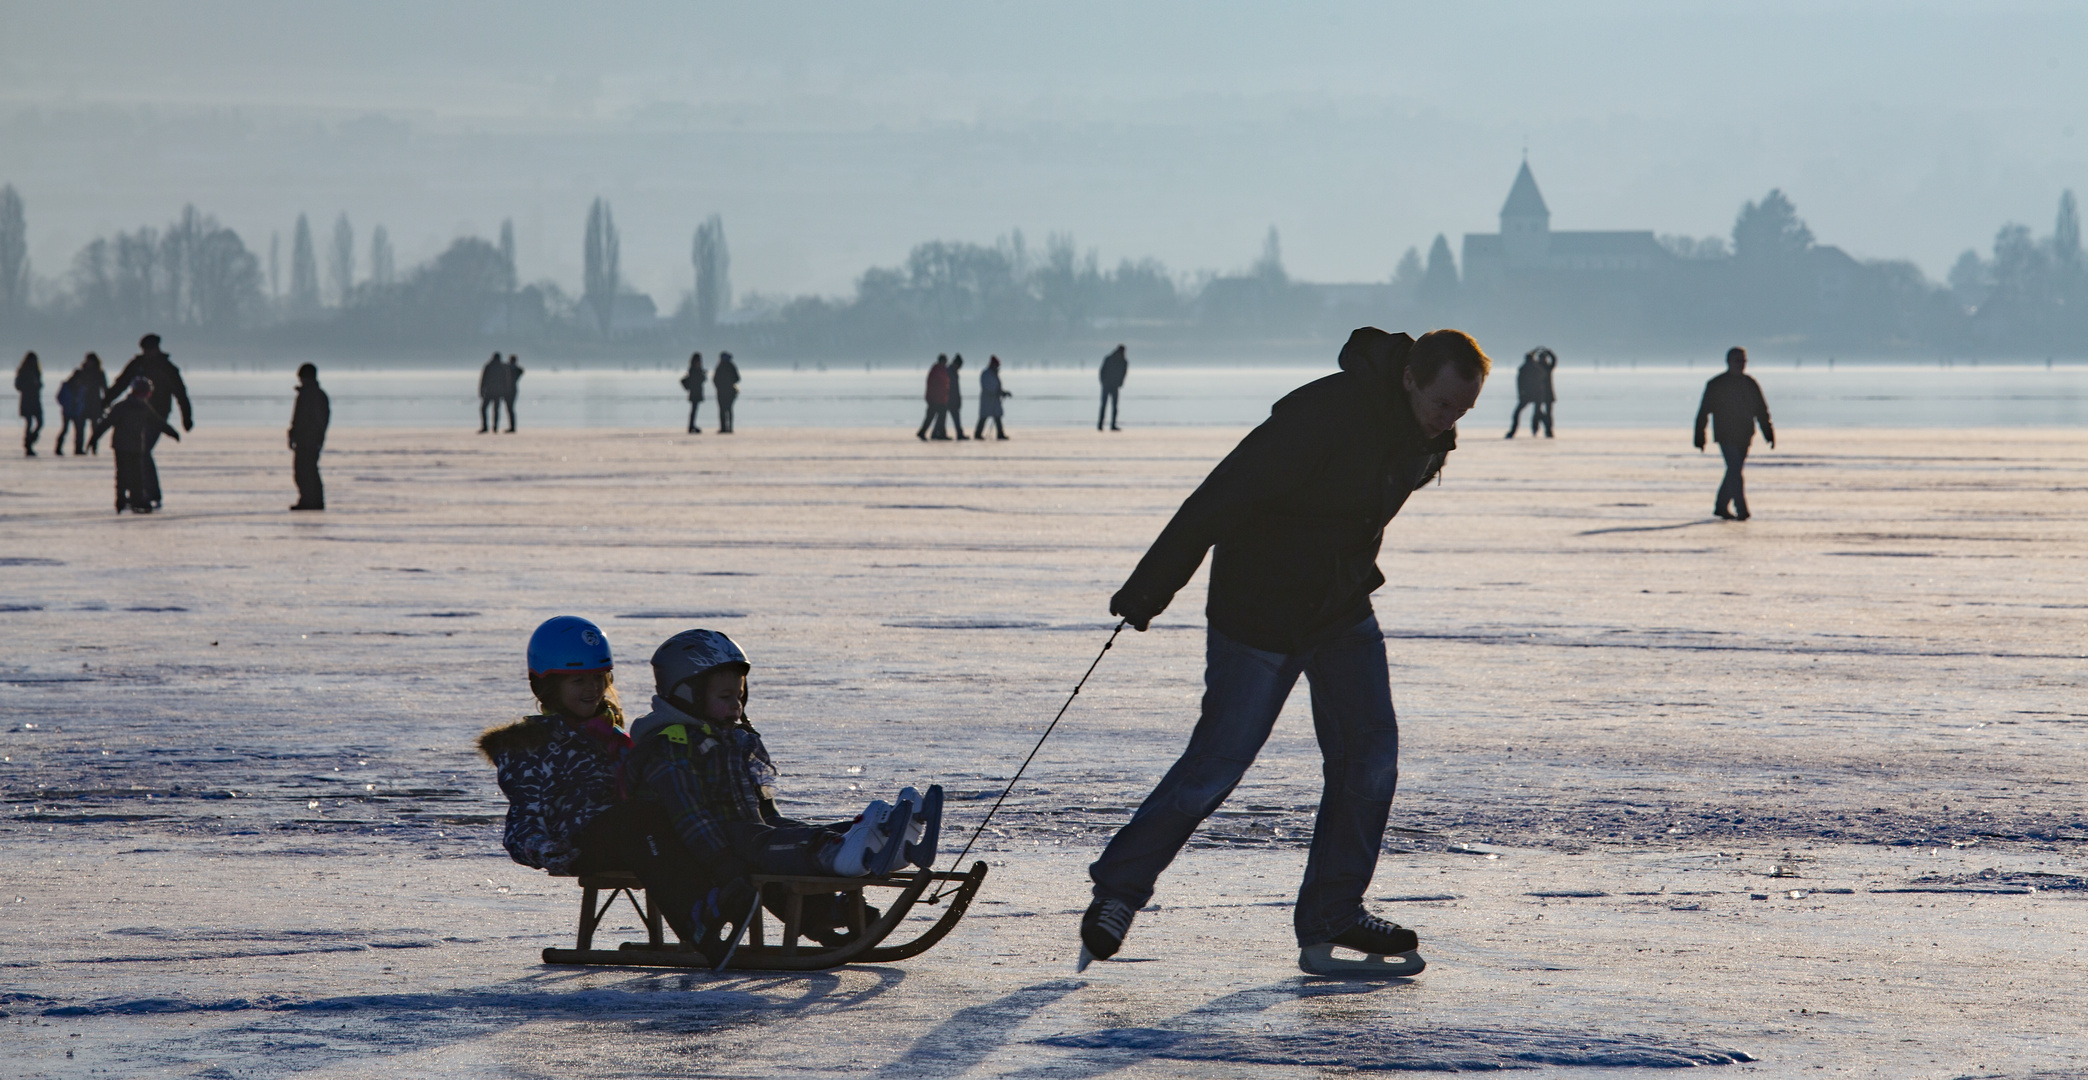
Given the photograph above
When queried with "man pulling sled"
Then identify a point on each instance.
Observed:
(1295, 515)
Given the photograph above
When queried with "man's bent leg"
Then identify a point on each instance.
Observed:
(1244, 689)
(1359, 746)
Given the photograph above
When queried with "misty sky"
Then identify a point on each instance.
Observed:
(834, 136)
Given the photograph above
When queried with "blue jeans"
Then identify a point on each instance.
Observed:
(1731, 489)
(1244, 689)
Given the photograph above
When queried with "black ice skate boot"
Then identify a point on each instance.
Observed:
(1102, 930)
(1388, 952)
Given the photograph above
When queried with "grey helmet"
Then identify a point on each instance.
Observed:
(682, 660)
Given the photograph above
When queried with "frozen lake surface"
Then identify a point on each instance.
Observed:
(1803, 794)
(1610, 396)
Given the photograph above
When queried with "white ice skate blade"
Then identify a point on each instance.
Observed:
(1320, 960)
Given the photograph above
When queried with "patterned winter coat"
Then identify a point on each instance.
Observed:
(558, 775)
(704, 775)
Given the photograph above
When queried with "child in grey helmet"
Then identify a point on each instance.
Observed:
(697, 758)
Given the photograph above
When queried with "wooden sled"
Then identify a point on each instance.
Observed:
(790, 953)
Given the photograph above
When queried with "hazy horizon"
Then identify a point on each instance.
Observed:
(832, 138)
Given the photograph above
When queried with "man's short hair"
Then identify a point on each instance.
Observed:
(308, 371)
(1735, 353)
(1439, 348)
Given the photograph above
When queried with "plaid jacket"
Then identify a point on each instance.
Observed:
(704, 775)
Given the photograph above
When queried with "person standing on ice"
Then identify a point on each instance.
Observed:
(693, 383)
(511, 388)
(138, 427)
(29, 384)
(1533, 387)
(1733, 402)
(990, 397)
(726, 381)
(938, 395)
(956, 403)
(308, 421)
(89, 386)
(1114, 367)
(1297, 513)
(493, 383)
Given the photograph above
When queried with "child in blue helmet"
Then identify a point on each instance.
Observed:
(562, 771)
(697, 758)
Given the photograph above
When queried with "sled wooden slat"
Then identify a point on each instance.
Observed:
(790, 952)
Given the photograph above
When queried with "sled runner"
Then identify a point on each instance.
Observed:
(789, 953)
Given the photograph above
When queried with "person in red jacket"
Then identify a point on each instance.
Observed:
(938, 400)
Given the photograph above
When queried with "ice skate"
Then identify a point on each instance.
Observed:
(1102, 930)
(862, 841)
(921, 837)
(1389, 952)
(898, 830)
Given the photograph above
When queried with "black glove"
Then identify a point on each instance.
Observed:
(1138, 609)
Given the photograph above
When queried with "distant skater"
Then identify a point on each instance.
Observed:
(137, 427)
(493, 389)
(938, 400)
(514, 385)
(29, 384)
(957, 395)
(1297, 513)
(1533, 387)
(80, 402)
(693, 383)
(726, 381)
(1114, 367)
(990, 397)
(1734, 404)
(156, 369)
(308, 420)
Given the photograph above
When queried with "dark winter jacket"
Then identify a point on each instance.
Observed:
(1298, 510)
(956, 399)
(514, 380)
(167, 388)
(137, 424)
(1734, 403)
(90, 387)
(558, 774)
(939, 384)
(693, 382)
(704, 775)
(309, 417)
(726, 379)
(1533, 382)
(990, 392)
(1114, 367)
(494, 383)
(29, 384)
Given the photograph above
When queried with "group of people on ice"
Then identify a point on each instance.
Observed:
(685, 795)
(138, 407)
(725, 380)
(946, 399)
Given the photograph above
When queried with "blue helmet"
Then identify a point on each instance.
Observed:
(568, 643)
(681, 659)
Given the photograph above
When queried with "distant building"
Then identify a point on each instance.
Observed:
(1527, 247)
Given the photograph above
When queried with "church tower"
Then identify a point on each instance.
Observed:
(1525, 223)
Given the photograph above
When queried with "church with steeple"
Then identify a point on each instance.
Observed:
(1527, 250)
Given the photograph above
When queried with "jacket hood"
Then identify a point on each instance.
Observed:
(664, 714)
(1380, 360)
(529, 733)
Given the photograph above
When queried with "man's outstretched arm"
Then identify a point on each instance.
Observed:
(1703, 415)
(1266, 464)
